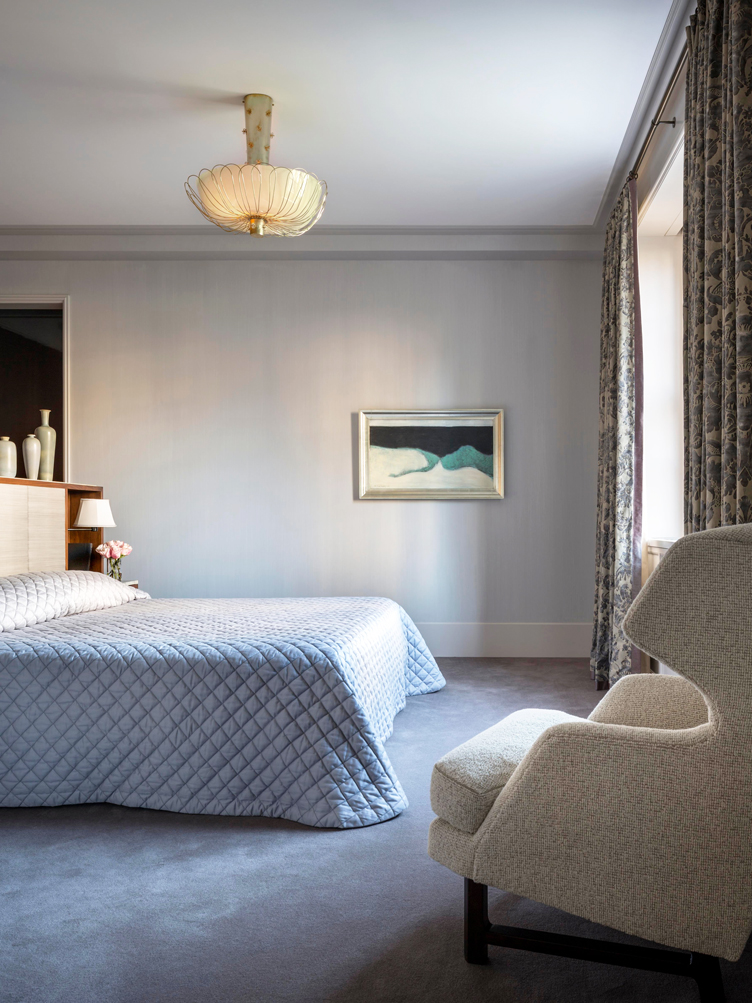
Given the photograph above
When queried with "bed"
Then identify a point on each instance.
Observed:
(275, 707)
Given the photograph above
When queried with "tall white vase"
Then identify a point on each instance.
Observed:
(47, 437)
(8, 457)
(32, 452)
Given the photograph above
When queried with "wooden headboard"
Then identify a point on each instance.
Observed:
(35, 524)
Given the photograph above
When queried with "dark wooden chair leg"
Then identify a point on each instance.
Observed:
(479, 933)
(706, 971)
(476, 923)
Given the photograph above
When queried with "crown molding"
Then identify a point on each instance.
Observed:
(659, 73)
(209, 230)
(196, 243)
(510, 255)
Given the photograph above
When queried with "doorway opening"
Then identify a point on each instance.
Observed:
(33, 376)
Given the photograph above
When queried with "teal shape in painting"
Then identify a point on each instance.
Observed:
(468, 456)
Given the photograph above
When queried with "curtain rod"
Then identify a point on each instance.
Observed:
(658, 120)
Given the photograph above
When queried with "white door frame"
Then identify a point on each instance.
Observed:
(29, 300)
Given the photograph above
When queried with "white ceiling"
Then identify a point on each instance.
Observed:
(416, 112)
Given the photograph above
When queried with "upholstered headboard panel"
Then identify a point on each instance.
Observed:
(32, 528)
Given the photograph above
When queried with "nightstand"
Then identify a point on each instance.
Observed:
(133, 584)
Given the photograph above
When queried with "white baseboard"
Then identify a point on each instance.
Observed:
(508, 640)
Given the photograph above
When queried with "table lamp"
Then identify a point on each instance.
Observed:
(94, 513)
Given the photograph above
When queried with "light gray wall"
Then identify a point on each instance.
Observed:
(215, 401)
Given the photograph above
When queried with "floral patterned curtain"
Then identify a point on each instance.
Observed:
(718, 267)
(619, 502)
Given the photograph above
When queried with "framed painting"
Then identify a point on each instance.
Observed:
(432, 454)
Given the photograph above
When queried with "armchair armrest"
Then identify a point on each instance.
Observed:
(651, 701)
(466, 781)
(628, 827)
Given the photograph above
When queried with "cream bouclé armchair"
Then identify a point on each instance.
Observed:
(640, 817)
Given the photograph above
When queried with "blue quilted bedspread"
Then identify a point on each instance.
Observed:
(276, 707)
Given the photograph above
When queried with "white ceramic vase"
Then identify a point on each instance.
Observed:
(47, 437)
(32, 452)
(8, 457)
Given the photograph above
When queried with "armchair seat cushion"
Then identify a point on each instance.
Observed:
(466, 781)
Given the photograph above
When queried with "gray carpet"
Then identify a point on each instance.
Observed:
(102, 904)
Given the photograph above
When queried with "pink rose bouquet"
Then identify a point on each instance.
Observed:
(113, 551)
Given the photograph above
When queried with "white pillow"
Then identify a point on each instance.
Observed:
(45, 595)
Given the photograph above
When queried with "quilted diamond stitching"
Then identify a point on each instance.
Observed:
(44, 595)
(273, 707)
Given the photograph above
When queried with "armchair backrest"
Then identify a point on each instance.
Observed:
(676, 801)
(695, 615)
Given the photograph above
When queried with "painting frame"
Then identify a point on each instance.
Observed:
(371, 487)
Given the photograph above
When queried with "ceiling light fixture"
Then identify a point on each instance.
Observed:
(255, 197)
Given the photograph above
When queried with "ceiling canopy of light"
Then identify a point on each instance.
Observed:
(255, 197)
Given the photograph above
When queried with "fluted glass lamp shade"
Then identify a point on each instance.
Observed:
(258, 199)
(255, 197)
(94, 513)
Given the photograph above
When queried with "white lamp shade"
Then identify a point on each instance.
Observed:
(95, 512)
